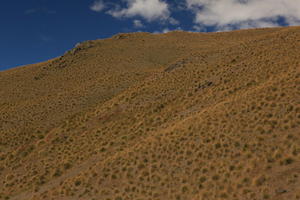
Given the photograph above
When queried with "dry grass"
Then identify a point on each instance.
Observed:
(181, 116)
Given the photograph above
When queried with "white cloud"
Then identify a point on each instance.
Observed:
(226, 14)
(148, 9)
(138, 23)
(97, 6)
(199, 28)
(173, 21)
(166, 30)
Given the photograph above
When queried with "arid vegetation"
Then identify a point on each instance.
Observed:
(176, 116)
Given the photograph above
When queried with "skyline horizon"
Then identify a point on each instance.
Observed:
(38, 30)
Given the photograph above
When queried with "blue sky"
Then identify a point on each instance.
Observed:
(37, 30)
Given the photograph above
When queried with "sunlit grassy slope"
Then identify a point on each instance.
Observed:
(176, 116)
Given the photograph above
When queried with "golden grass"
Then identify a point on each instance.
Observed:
(181, 116)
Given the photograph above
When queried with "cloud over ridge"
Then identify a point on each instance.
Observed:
(244, 13)
(218, 14)
(150, 10)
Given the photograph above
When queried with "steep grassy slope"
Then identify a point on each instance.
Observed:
(171, 116)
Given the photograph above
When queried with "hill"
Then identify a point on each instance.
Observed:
(175, 116)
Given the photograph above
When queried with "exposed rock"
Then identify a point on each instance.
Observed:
(120, 36)
(176, 65)
(81, 46)
(280, 191)
(205, 85)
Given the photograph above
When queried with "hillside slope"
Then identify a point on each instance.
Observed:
(180, 116)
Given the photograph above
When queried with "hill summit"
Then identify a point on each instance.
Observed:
(175, 116)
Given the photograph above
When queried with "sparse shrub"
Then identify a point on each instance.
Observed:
(260, 181)
(57, 173)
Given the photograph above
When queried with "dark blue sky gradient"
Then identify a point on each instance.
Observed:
(37, 30)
